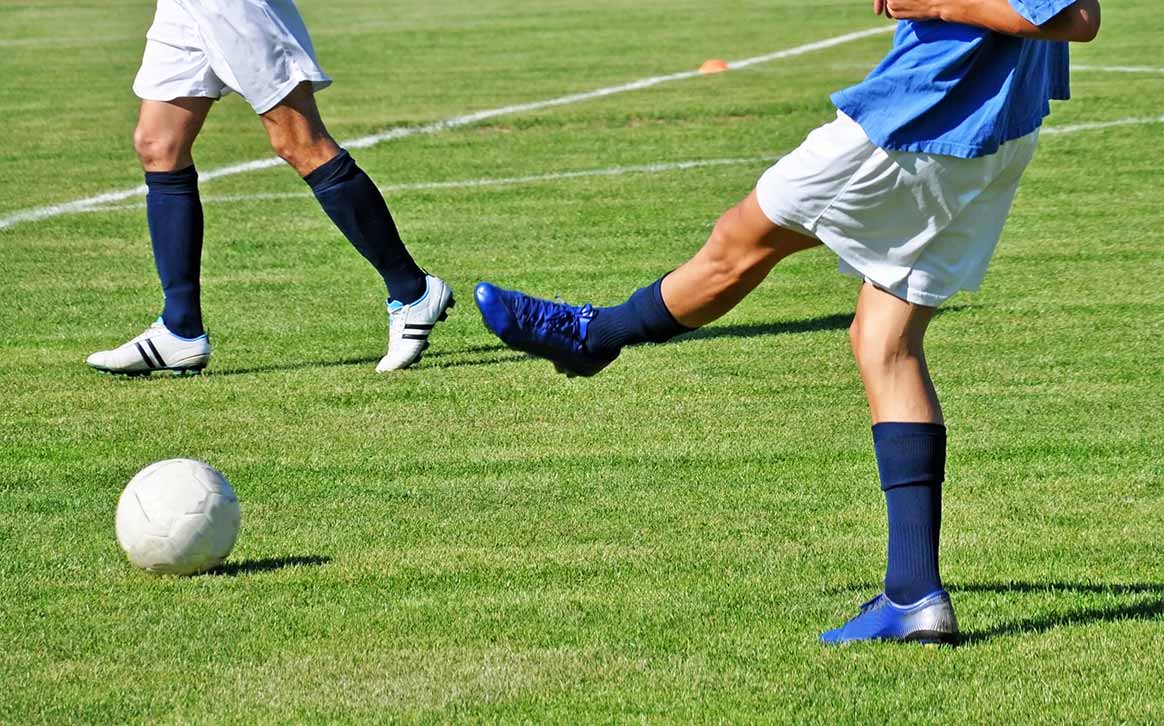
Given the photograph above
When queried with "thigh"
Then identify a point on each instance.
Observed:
(175, 122)
(883, 316)
(296, 116)
(961, 253)
(801, 186)
(887, 337)
(175, 63)
(259, 49)
(297, 132)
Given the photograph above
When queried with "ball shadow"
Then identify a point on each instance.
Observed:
(267, 564)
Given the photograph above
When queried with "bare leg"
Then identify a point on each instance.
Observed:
(297, 132)
(346, 193)
(164, 138)
(166, 130)
(743, 248)
(909, 439)
(886, 336)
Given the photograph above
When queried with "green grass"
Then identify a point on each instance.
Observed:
(478, 539)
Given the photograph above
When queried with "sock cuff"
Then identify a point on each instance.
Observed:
(910, 453)
(655, 291)
(182, 180)
(338, 169)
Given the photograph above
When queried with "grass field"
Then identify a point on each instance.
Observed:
(480, 539)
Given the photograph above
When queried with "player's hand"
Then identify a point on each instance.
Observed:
(909, 9)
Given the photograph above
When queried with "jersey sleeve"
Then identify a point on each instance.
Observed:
(1040, 11)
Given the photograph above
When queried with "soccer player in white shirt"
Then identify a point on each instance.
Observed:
(196, 52)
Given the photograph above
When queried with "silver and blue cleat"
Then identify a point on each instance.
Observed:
(930, 621)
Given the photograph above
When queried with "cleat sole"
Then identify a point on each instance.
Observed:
(932, 638)
(176, 372)
(445, 313)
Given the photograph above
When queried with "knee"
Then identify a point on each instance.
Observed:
(729, 252)
(877, 350)
(287, 148)
(303, 155)
(161, 150)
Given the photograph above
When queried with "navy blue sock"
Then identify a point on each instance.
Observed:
(911, 458)
(356, 206)
(174, 211)
(643, 318)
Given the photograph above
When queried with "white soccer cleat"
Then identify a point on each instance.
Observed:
(157, 349)
(410, 325)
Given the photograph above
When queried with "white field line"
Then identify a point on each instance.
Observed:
(63, 42)
(1073, 128)
(657, 168)
(46, 212)
(1118, 69)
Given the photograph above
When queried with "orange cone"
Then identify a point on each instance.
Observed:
(714, 65)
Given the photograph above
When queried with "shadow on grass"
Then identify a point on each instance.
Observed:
(268, 564)
(1148, 605)
(359, 361)
(1145, 602)
(836, 321)
(511, 357)
(839, 321)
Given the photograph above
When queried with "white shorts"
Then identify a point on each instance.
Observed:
(922, 226)
(259, 49)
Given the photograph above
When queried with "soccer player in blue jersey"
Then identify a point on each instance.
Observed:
(197, 51)
(910, 186)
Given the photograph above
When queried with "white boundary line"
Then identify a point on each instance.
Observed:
(1118, 69)
(55, 210)
(1072, 128)
(657, 168)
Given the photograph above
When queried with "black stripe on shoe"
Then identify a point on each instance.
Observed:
(157, 355)
(145, 356)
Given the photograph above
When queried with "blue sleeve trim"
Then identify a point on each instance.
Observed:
(1040, 11)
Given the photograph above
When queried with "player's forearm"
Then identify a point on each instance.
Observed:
(1077, 23)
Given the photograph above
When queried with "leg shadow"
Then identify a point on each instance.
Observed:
(490, 360)
(836, 321)
(268, 564)
(298, 365)
(839, 321)
(357, 361)
(1137, 601)
(1145, 602)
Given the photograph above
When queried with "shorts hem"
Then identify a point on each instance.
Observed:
(154, 95)
(785, 221)
(318, 83)
(861, 271)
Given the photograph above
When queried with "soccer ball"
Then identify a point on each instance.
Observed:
(178, 517)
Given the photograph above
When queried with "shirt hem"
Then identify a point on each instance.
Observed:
(950, 148)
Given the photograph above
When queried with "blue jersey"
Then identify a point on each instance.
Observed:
(960, 91)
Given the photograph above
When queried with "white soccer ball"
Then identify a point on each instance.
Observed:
(178, 517)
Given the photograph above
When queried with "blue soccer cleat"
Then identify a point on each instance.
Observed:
(929, 620)
(551, 330)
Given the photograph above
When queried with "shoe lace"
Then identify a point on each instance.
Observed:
(873, 604)
(553, 316)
